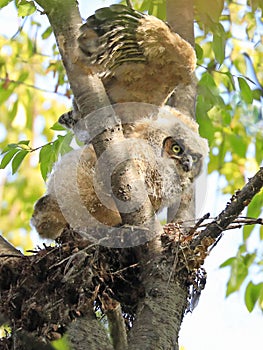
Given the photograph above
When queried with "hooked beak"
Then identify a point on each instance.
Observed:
(187, 162)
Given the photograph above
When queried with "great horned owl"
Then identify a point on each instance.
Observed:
(168, 152)
(137, 56)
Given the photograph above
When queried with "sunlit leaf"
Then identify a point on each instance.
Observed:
(24, 142)
(231, 79)
(238, 274)
(8, 157)
(57, 127)
(228, 262)
(219, 42)
(6, 90)
(238, 144)
(199, 51)
(252, 295)
(25, 8)
(254, 210)
(245, 91)
(46, 159)
(13, 112)
(17, 160)
(257, 94)
(209, 14)
(62, 144)
(46, 34)
(259, 147)
(261, 232)
(206, 126)
(239, 269)
(3, 3)
(256, 4)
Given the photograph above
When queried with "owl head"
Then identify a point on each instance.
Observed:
(172, 149)
(174, 137)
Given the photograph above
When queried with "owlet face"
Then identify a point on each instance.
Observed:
(187, 160)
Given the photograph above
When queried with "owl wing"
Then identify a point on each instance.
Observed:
(137, 56)
(108, 38)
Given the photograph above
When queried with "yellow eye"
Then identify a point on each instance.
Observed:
(176, 149)
(194, 158)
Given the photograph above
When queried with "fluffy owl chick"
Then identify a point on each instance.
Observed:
(138, 56)
(166, 150)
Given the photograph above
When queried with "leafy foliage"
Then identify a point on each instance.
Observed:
(22, 68)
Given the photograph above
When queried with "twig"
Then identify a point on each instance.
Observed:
(238, 202)
(31, 86)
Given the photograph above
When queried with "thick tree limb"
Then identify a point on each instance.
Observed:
(103, 127)
(87, 333)
(162, 310)
(237, 203)
(160, 313)
(180, 16)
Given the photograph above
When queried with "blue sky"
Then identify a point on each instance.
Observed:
(217, 323)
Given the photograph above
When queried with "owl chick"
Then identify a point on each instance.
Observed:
(137, 56)
(166, 150)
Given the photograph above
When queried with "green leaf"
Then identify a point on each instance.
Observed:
(24, 142)
(256, 4)
(228, 262)
(12, 145)
(57, 127)
(22, 77)
(18, 159)
(239, 272)
(6, 90)
(62, 144)
(259, 148)
(238, 144)
(13, 112)
(261, 233)
(219, 43)
(7, 158)
(252, 295)
(231, 79)
(3, 3)
(206, 129)
(47, 158)
(245, 91)
(199, 52)
(254, 210)
(47, 33)
(249, 258)
(25, 8)
(257, 94)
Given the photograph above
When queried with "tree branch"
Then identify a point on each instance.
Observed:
(103, 127)
(180, 16)
(237, 203)
(164, 299)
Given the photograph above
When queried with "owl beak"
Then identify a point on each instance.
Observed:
(187, 162)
